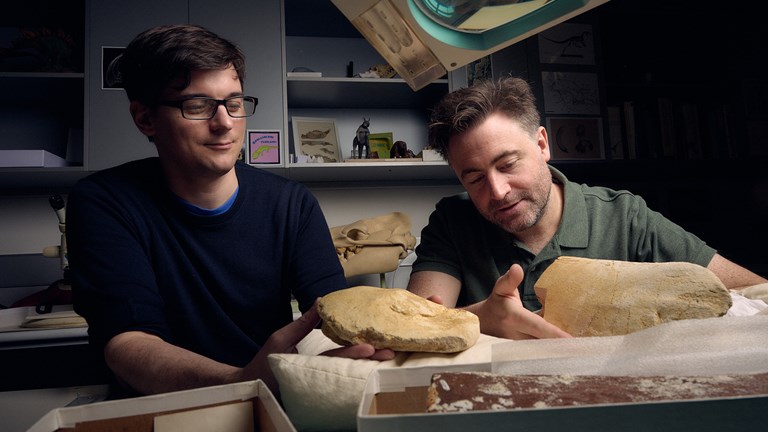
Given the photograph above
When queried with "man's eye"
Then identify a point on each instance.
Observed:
(195, 106)
(234, 105)
(507, 167)
(474, 179)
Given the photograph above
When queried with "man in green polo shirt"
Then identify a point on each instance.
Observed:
(484, 249)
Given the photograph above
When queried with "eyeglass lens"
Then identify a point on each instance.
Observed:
(205, 108)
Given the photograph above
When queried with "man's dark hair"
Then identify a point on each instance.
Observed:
(161, 54)
(461, 110)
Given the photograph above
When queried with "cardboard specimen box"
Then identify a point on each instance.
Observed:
(241, 407)
(396, 399)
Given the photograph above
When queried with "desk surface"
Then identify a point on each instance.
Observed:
(21, 409)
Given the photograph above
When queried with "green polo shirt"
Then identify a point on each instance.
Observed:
(597, 223)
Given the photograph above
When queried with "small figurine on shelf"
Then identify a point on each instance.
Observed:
(378, 71)
(400, 150)
(360, 142)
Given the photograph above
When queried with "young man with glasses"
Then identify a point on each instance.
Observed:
(184, 265)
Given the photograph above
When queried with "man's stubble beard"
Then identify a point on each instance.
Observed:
(538, 200)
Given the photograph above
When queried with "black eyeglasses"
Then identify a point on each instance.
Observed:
(204, 108)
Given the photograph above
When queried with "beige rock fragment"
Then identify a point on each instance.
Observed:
(591, 297)
(396, 318)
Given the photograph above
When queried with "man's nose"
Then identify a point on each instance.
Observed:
(221, 117)
(498, 185)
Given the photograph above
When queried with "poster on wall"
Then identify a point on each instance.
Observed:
(571, 93)
(572, 138)
(567, 43)
(263, 147)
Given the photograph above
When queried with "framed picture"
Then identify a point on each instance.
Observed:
(571, 93)
(567, 43)
(110, 77)
(263, 147)
(479, 70)
(575, 138)
(316, 139)
(380, 144)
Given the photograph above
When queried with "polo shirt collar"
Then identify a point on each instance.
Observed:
(573, 230)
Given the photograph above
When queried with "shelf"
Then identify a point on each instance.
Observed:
(42, 92)
(15, 181)
(55, 75)
(31, 181)
(369, 172)
(310, 92)
(43, 87)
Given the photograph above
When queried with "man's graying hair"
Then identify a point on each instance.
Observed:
(463, 109)
(161, 54)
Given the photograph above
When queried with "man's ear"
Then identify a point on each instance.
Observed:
(142, 118)
(543, 143)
